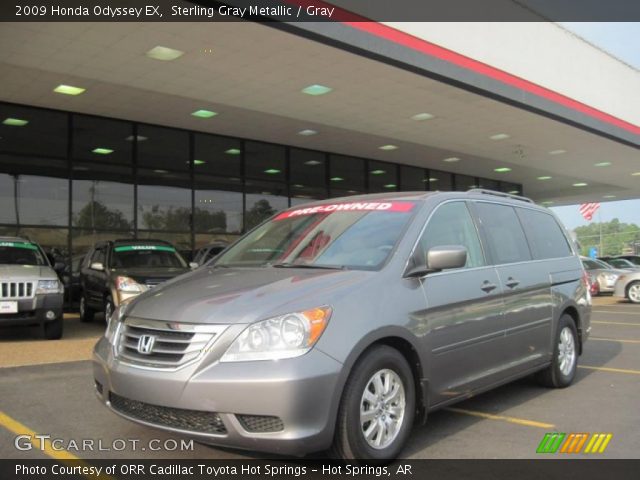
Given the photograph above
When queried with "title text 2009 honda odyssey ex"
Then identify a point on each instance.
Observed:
(345, 322)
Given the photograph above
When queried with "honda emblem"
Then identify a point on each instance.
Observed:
(145, 344)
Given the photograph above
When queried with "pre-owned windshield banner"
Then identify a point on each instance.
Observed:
(349, 207)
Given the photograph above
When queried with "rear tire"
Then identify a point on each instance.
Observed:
(562, 371)
(53, 329)
(86, 313)
(633, 292)
(377, 407)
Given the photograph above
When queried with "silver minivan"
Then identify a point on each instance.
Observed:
(344, 323)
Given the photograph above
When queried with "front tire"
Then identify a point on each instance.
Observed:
(53, 329)
(377, 407)
(86, 313)
(562, 371)
(633, 292)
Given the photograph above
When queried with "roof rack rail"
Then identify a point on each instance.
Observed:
(484, 191)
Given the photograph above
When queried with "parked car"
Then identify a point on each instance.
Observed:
(208, 252)
(604, 276)
(628, 286)
(30, 291)
(116, 271)
(620, 263)
(345, 322)
(635, 259)
(70, 276)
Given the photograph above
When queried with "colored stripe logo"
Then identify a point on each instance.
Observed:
(556, 442)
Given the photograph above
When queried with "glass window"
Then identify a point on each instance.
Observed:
(218, 205)
(7, 198)
(440, 181)
(451, 224)
(383, 177)
(264, 161)
(263, 199)
(220, 156)
(346, 175)
(84, 240)
(21, 253)
(42, 200)
(308, 170)
(591, 265)
(512, 188)
(544, 234)
(102, 140)
(164, 201)
(413, 178)
(181, 241)
(162, 148)
(33, 131)
(465, 182)
(506, 240)
(102, 197)
(489, 184)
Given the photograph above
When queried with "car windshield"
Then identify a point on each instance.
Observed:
(601, 264)
(146, 256)
(20, 253)
(358, 235)
(620, 263)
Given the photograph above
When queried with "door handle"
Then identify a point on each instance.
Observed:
(512, 282)
(488, 286)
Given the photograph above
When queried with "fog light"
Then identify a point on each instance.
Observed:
(51, 315)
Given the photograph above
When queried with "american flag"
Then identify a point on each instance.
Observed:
(588, 209)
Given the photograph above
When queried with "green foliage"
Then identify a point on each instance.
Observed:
(616, 237)
(260, 211)
(178, 219)
(96, 215)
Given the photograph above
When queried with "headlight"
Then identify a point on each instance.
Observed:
(48, 286)
(286, 336)
(129, 285)
(612, 277)
(114, 323)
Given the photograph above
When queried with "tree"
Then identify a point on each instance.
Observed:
(179, 219)
(260, 211)
(616, 237)
(96, 215)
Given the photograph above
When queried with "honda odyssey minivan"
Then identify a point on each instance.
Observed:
(343, 323)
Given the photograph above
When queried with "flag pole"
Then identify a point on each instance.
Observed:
(600, 221)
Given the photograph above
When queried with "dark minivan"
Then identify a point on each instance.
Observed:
(116, 271)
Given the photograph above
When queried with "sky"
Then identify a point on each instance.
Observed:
(622, 40)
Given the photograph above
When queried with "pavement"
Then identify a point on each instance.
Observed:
(47, 388)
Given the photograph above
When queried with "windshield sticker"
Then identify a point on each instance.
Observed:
(28, 246)
(130, 248)
(349, 207)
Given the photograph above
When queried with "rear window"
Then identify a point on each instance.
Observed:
(146, 256)
(20, 253)
(544, 234)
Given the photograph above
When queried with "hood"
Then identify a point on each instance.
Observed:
(243, 295)
(26, 273)
(141, 275)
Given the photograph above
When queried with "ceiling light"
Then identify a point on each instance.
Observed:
(545, 177)
(580, 184)
(548, 202)
(297, 185)
(337, 179)
(451, 160)
(378, 172)
(272, 171)
(161, 171)
(204, 113)
(635, 174)
(390, 185)
(232, 151)
(164, 53)
(307, 132)
(419, 117)
(139, 138)
(388, 147)
(15, 122)
(432, 179)
(499, 136)
(199, 162)
(313, 162)
(69, 90)
(316, 90)
(557, 152)
(609, 196)
(502, 169)
(102, 151)
(514, 192)
(602, 164)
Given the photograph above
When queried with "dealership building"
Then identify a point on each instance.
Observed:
(196, 132)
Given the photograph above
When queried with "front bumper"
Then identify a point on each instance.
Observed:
(32, 311)
(300, 393)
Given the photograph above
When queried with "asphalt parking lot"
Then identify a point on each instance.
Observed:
(47, 388)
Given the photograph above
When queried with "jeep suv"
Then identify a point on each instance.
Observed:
(30, 291)
(346, 321)
(116, 271)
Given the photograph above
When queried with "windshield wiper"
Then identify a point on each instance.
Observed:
(303, 265)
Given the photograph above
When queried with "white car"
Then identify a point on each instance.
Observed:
(628, 286)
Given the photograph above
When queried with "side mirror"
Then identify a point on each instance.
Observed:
(193, 265)
(59, 267)
(440, 258)
(97, 266)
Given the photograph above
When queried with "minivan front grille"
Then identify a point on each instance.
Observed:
(164, 345)
(178, 418)
(16, 290)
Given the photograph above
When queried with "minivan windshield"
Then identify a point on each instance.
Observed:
(21, 253)
(146, 256)
(358, 235)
